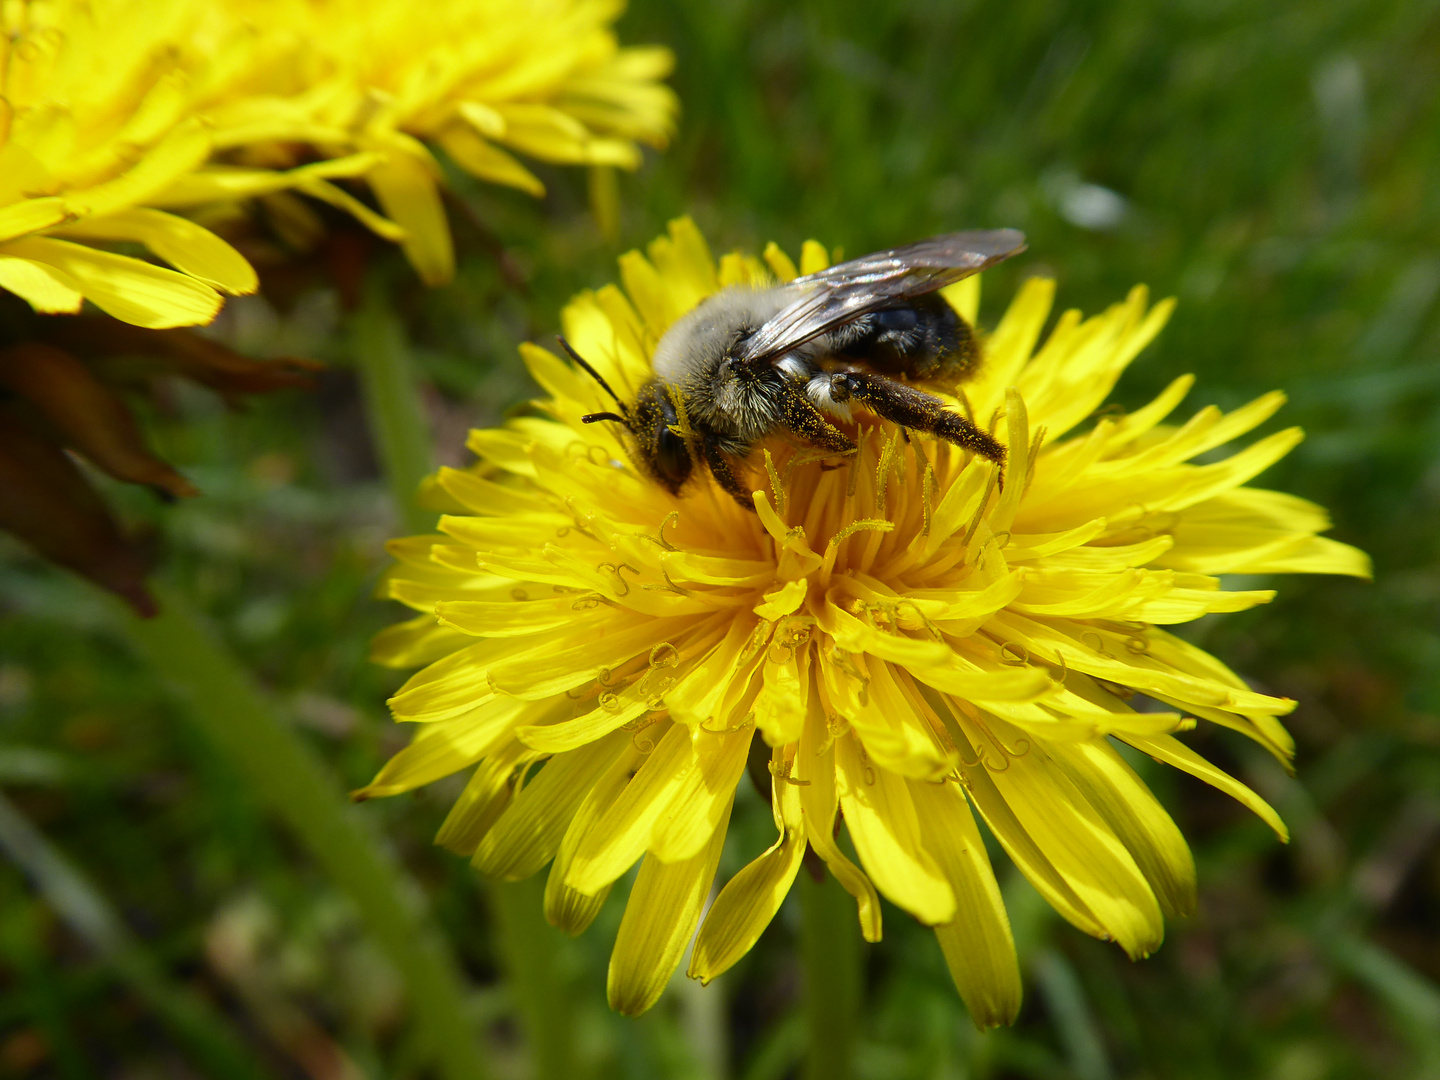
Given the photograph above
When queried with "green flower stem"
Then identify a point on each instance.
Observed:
(831, 952)
(393, 408)
(76, 900)
(289, 779)
(402, 437)
(529, 948)
(1074, 1022)
(704, 1019)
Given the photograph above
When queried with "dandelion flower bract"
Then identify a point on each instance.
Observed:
(906, 642)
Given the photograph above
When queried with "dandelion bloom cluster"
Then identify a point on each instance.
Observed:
(112, 117)
(117, 121)
(484, 81)
(903, 640)
(101, 110)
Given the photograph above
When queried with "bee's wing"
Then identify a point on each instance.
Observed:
(850, 289)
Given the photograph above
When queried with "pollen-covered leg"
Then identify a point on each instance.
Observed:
(911, 408)
(799, 414)
(724, 475)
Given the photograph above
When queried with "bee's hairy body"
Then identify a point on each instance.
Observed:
(747, 363)
(695, 358)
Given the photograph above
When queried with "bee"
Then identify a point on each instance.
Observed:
(747, 363)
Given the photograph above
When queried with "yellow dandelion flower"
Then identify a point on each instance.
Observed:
(109, 123)
(904, 642)
(546, 79)
(100, 114)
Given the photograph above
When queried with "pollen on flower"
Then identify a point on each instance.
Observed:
(907, 641)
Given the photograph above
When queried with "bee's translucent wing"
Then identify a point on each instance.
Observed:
(848, 290)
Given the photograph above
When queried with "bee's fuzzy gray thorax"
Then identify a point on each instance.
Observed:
(740, 404)
(698, 340)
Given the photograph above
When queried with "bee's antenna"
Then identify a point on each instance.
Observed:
(590, 418)
(624, 416)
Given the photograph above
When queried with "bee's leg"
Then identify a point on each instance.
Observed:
(799, 414)
(911, 408)
(724, 475)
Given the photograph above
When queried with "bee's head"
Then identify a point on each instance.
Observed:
(651, 420)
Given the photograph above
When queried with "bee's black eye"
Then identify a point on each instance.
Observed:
(665, 454)
(672, 457)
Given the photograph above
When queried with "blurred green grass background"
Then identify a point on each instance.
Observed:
(1276, 167)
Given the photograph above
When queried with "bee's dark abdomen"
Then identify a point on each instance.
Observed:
(922, 340)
